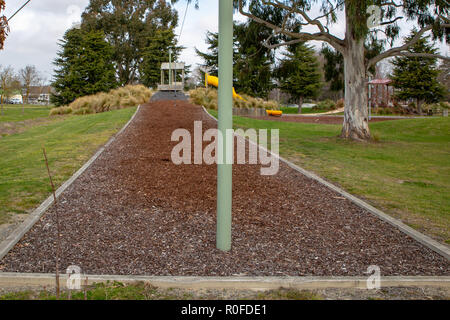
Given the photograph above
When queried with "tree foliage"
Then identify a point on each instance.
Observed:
(299, 73)
(211, 56)
(366, 21)
(253, 67)
(334, 63)
(417, 77)
(3, 24)
(333, 68)
(29, 76)
(444, 77)
(156, 53)
(83, 66)
(9, 82)
(130, 27)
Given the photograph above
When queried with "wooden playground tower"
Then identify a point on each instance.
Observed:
(172, 69)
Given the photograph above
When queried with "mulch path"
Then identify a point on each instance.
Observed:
(135, 212)
(315, 119)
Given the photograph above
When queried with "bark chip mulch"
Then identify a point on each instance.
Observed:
(135, 212)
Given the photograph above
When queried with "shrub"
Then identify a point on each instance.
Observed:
(124, 97)
(325, 105)
(60, 111)
(340, 104)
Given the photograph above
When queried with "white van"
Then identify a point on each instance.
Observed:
(17, 99)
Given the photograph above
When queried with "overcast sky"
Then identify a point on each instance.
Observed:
(36, 30)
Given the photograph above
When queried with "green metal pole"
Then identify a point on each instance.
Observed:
(170, 67)
(224, 170)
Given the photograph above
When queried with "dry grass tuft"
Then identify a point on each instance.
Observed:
(207, 97)
(124, 97)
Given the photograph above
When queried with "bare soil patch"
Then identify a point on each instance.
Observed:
(135, 212)
(13, 127)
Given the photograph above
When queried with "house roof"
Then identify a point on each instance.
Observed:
(380, 81)
(36, 90)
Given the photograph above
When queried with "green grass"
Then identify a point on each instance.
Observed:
(69, 141)
(144, 291)
(406, 173)
(13, 112)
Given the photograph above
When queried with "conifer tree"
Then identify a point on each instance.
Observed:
(83, 66)
(416, 77)
(156, 53)
(299, 73)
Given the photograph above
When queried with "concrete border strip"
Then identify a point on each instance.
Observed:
(15, 280)
(430, 243)
(14, 237)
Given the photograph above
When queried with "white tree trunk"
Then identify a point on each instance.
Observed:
(356, 124)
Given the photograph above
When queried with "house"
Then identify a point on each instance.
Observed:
(38, 94)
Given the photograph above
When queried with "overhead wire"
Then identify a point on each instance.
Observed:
(23, 6)
(184, 19)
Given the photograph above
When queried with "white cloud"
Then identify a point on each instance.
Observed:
(36, 30)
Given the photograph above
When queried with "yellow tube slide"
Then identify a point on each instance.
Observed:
(214, 81)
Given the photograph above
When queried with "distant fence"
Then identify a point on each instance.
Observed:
(258, 112)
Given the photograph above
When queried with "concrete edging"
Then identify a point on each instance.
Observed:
(47, 280)
(14, 237)
(430, 243)
(15, 280)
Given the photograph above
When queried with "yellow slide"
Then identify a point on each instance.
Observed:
(214, 81)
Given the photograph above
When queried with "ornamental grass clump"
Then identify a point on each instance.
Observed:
(207, 97)
(124, 97)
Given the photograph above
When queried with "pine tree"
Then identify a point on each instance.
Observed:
(83, 67)
(299, 73)
(333, 68)
(416, 77)
(211, 57)
(253, 67)
(155, 53)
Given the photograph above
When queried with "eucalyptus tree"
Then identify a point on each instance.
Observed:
(365, 21)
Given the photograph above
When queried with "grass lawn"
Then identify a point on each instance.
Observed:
(13, 112)
(145, 291)
(69, 141)
(406, 173)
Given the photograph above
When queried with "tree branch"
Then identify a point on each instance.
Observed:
(323, 35)
(400, 50)
(424, 55)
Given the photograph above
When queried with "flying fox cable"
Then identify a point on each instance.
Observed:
(184, 19)
(23, 6)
